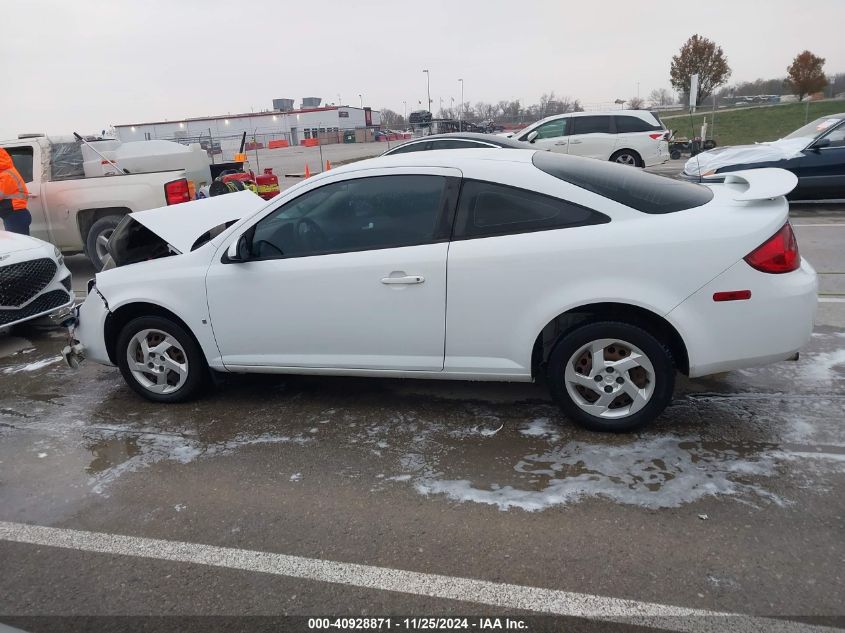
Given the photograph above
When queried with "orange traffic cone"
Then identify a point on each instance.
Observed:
(307, 171)
(328, 164)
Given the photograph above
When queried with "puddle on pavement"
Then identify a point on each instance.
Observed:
(741, 436)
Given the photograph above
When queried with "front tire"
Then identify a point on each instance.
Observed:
(610, 376)
(627, 157)
(160, 360)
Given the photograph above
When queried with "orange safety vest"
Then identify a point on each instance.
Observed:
(12, 186)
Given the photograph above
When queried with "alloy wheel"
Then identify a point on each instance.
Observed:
(626, 159)
(609, 378)
(157, 361)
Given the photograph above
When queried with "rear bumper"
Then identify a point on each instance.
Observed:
(770, 326)
(659, 156)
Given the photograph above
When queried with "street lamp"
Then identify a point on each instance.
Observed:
(361, 99)
(460, 109)
(428, 87)
(405, 106)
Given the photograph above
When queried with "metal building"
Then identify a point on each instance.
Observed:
(293, 126)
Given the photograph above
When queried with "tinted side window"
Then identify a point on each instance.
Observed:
(22, 158)
(552, 129)
(633, 124)
(487, 208)
(634, 188)
(456, 144)
(410, 147)
(590, 124)
(354, 215)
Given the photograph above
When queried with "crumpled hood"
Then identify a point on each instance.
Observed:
(713, 159)
(180, 225)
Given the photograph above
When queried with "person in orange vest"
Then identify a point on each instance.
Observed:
(13, 195)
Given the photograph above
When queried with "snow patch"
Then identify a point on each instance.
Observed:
(35, 366)
(663, 472)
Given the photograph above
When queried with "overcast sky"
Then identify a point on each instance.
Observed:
(86, 64)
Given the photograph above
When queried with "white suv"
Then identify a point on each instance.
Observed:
(631, 137)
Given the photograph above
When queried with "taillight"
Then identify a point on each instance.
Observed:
(657, 135)
(778, 254)
(177, 191)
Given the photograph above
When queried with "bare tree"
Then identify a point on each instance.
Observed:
(661, 97)
(635, 103)
(390, 119)
(485, 111)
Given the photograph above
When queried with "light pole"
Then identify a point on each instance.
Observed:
(405, 116)
(339, 102)
(428, 87)
(361, 98)
(461, 108)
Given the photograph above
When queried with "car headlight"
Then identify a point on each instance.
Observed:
(60, 259)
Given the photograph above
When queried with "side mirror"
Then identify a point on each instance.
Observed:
(822, 142)
(240, 250)
(532, 136)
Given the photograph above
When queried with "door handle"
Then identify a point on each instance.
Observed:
(32, 195)
(562, 143)
(574, 142)
(408, 279)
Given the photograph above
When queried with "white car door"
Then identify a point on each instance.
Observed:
(591, 137)
(350, 274)
(551, 135)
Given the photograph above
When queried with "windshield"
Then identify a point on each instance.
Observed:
(816, 128)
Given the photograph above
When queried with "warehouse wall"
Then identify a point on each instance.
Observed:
(264, 123)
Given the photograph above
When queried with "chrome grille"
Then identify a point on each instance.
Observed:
(22, 281)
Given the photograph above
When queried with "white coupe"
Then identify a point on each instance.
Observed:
(514, 265)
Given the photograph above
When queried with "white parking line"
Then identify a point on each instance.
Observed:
(537, 599)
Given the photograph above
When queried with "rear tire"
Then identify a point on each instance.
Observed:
(627, 157)
(98, 237)
(611, 376)
(160, 360)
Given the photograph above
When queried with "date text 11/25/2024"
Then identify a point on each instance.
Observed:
(417, 624)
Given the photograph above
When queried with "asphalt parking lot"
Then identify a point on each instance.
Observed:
(338, 496)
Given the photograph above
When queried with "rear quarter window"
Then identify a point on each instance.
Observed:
(488, 209)
(625, 124)
(626, 185)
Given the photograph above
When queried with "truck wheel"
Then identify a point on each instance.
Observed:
(98, 239)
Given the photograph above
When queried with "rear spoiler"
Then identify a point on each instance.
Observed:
(758, 184)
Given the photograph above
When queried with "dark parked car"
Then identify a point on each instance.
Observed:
(815, 153)
(458, 140)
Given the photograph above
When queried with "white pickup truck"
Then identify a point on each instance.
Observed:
(79, 214)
